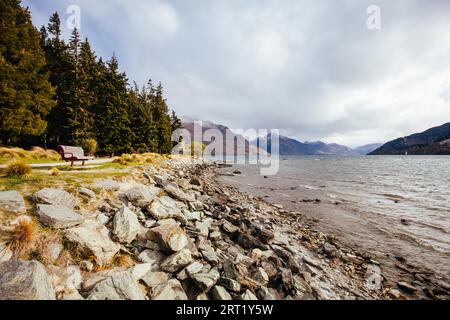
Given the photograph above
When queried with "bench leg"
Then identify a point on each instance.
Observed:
(71, 163)
(82, 163)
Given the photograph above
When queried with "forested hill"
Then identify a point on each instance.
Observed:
(434, 141)
(56, 92)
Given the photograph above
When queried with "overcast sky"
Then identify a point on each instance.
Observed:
(310, 68)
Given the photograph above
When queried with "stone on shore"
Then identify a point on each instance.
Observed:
(155, 278)
(177, 261)
(219, 293)
(87, 193)
(205, 281)
(230, 284)
(142, 196)
(56, 197)
(170, 290)
(170, 237)
(120, 286)
(248, 295)
(108, 184)
(25, 280)
(58, 216)
(177, 193)
(125, 225)
(91, 239)
(12, 201)
(166, 208)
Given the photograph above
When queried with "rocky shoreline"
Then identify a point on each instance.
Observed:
(171, 232)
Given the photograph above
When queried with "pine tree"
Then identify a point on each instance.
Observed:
(112, 119)
(61, 67)
(162, 119)
(25, 93)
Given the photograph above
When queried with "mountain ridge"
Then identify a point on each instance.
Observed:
(433, 141)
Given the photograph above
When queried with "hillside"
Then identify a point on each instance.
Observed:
(434, 141)
(368, 148)
(229, 147)
(292, 147)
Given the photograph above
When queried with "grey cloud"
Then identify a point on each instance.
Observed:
(310, 68)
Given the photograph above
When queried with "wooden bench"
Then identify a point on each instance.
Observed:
(72, 154)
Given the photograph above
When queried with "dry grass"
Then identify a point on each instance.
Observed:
(140, 159)
(39, 153)
(17, 169)
(55, 172)
(122, 260)
(35, 155)
(22, 238)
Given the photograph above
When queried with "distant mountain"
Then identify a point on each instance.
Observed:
(292, 147)
(229, 144)
(368, 148)
(434, 141)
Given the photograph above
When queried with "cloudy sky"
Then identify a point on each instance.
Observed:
(310, 68)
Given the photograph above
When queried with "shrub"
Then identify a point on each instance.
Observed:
(17, 168)
(12, 153)
(39, 153)
(89, 146)
(55, 172)
(124, 261)
(22, 237)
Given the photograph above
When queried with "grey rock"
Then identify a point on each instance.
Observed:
(202, 227)
(138, 271)
(142, 196)
(230, 284)
(58, 216)
(5, 253)
(219, 293)
(25, 280)
(125, 225)
(177, 193)
(261, 276)
(166, 208)
(108, 184)
(229, 227)
(56, 197)
(205, 281)
(102, 219)
(155, 278)
(12, 201)
(330, 249)
(171, 290)
(153, 257)
(209, 254)
(120, 286)
(406, 287)
(87, 193)
(177, 261)
(171, 237)
(92, 239)
(266, 294)
(248, 295)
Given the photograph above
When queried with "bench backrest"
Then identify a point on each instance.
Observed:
(68, 152)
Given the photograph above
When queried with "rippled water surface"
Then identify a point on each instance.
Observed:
(415, 189)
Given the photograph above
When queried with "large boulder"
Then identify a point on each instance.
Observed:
(25, 280)
(56, 197)
(58, 216)
(12, 201)
(142, 196)
(170, 237)
(125, 225)
(91, 239)
(108, 184)
(171, 290)
(177, 261)
(120, 286)
(177, 193)
(205, 281)
(166, 208)
(155, 278)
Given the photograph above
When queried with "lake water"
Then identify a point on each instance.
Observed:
(398, 205)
